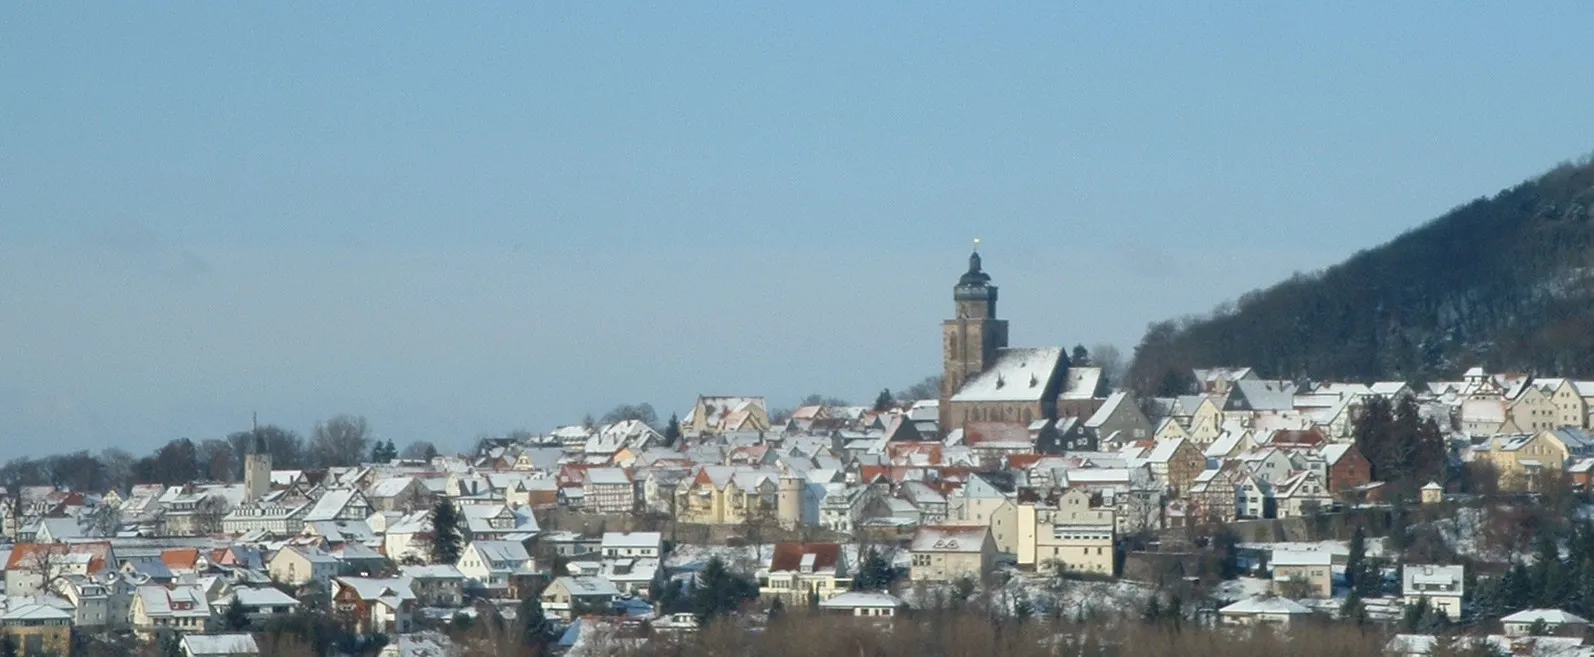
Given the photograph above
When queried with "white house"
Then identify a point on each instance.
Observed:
(1555, 622)
(1263, 611)
(1442, 586)
(494, 564)
(639, 545)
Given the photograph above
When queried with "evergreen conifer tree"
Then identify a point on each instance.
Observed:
(672, 431)
(447, 543)
(535, 629)
(884, 400)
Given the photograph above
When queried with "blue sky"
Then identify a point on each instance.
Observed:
(467, 219)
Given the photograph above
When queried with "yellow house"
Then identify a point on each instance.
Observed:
(1170, 429)
(1522, 458)
(38, 629)
(943, 553)
(797, 570)
(1206, 423)
(1571, 408)
(1068, 534)
(727, 495)
(1534, 410)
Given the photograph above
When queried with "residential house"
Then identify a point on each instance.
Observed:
(440, 585)
(569, 597)
(943, 553)
(863, 604)
(717, 415)
(372, 605)
(638, 545)
(1554, 621)
(1442, 587)
(36, 628)
(727, 495)
(1348, 468)
(1066, 533)
(1303, 573)
(1534, 410)
(1119, 415)
(796, 571)
(400, 493)
(1274, 611)
(504, 568)
(30, 565)
(298, 565)
(262, 602)
(181, 608)
(1301, 494)
(610, 490)
(982, 503)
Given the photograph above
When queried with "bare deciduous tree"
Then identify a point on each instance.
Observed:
(343, 440)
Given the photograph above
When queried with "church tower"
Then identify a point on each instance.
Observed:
(971, 340)
(257, 469)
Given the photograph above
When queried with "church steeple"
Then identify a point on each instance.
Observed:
(972, 338)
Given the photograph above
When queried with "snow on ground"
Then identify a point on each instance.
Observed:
(1235, 590)
(749, 558)
(1043, 594)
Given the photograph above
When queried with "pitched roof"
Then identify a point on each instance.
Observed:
(199, 645)
(1105, 411)
(1018, 374)
(950, 538)
(790, 557)
(1549, 616)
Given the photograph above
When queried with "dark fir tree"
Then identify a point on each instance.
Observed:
(672, 431)
(719, 591)
(884, 400)
(447, 542)
(1357, 556)
(874, 572)
(236, 618)
(535, 630)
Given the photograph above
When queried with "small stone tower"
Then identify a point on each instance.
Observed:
(257, 469)
(789, 501)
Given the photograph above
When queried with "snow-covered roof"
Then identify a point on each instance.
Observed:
(500, 551)
(1549, 616)
(608, 476)
(1301, 558)
(1081, 383)
(437, 571)
(1105, 411)
(1019, 374)
(1432, 575)
(266, 596)
(632, 539)
(1266, 605)
(390, 486)
(862, 600)
(198, 645)
(331, 504)
(587, 586)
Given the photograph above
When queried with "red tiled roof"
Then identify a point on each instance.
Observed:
(789, 556)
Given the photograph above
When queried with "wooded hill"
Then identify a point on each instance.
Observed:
(1503, 282)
